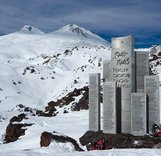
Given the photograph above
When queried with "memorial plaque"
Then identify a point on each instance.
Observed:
(142, 69)
(123, 72)
(151, 85)
(138, 114)
(107, 70)
(109, 107)
(94, 102)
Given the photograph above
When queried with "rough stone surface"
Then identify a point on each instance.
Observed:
(82, 104)
(90, 138)
(47, 138)
(14, 131)
(18, 118)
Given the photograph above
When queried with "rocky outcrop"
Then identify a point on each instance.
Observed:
(15, 130)
(47, 138)
(82, 104)
(18, 118)
(92, 141)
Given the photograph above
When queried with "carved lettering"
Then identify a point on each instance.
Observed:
(118, 54)
(123, 61)
(121, 75)
(121, 72)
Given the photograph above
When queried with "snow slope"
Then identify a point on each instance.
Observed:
(56, 59)
(38, 67)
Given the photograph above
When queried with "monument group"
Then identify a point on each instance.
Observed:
(131, 102)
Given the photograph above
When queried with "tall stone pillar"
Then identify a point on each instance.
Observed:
(142, 69)
(139, 114)
(123, 73)
(107, 70)
(109, 107)
(94, 102)
(151, 85)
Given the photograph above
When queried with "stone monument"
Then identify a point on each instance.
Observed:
(123, 73)
(94, 102)
(131, 101)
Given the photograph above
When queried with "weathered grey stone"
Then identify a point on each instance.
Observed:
(94, 102)
(123, 72)
(142, 69)
(107, 70)
(151, 85)
(138, 114)
(109, 107)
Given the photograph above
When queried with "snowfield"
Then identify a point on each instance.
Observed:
(36, 68)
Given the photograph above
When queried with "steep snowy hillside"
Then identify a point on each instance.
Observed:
(42, 66)
(37, 68)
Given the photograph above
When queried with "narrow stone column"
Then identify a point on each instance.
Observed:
(139, 118)
(151, 88)
(94, 102)
(123, 73)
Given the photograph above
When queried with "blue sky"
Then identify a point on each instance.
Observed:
(107, 18)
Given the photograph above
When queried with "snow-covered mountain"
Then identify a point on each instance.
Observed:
(30, 30)
(46, 64)
(37, 68)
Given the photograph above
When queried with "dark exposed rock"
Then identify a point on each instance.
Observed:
(39, 112)
(14, 131)
(45, 114)
(90, 139)
(75, 81)
(65, 111)
(153, 57)
(47, 138)
(83, 102)
(32, 70)
(50, 109)
(21, 106)
(28, 109)
(18, 118)
(42, 78)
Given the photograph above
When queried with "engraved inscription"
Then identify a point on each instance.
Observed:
(123, 74)
(109, 107)
(122, 67)
(139, 116)
(94, 100)
(152, 90)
